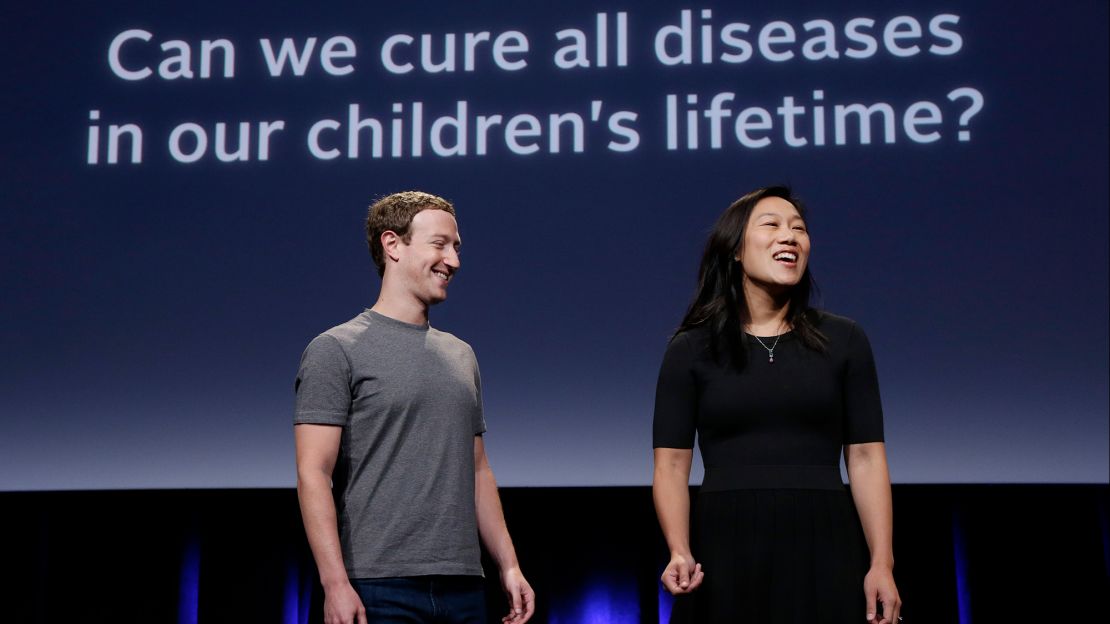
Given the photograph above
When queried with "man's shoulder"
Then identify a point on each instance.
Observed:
(448, 341)
(349, 332)
(341, 338)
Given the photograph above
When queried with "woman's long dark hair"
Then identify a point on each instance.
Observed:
(719, 303)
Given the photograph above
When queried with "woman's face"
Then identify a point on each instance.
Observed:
(776, 245)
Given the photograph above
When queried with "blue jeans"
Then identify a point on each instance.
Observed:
(423, 599)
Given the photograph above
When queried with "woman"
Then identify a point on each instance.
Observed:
(774, 390)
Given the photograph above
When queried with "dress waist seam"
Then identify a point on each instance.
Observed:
(750, 477)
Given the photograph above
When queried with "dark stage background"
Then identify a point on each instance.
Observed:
(965, 555)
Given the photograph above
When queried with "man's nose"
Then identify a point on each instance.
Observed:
(451, 258)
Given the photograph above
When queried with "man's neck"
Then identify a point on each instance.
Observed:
(406, 310)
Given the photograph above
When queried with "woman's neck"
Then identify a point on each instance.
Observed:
(766, 311)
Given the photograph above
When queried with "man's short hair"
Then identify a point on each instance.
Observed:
(394, 213)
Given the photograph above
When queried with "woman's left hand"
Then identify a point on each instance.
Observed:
(879, 589)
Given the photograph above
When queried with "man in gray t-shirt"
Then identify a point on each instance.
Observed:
(394, 485)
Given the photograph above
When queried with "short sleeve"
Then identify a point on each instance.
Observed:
(863, 409)
(323, 385)
(478, 419)
(676, 397)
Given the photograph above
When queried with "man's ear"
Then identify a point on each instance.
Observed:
(390, 243)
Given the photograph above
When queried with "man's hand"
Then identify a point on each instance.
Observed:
(522, 600)
(682, 575)
(343, 606)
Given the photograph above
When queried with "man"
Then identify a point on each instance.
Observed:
(390, 409)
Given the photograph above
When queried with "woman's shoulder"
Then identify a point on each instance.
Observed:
(693, 341)
(834, 326)
(693, 335)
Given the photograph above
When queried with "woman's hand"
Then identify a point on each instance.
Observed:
(682, 575)
(879, 588)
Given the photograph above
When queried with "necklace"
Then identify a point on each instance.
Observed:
(770, 349)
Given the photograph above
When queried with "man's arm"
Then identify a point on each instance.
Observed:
(317, 451)
(495, 536)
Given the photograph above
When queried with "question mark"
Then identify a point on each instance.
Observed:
(976, 106)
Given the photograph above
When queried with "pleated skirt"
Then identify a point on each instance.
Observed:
(776, 556)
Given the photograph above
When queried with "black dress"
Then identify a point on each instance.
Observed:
(774, 527)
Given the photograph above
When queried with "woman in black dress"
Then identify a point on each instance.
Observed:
(775, 391)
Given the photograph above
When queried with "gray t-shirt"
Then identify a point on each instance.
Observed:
(409, 400)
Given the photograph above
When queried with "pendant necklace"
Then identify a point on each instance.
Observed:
(770, 349)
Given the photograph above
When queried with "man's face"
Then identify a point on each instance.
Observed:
(430, 259)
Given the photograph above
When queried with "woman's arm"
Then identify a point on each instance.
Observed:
(670, 489)
(870, 481)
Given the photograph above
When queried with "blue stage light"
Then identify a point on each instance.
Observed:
(189, 591)
(959, 547)
(603, 601)
(290, 611)
(666, 603)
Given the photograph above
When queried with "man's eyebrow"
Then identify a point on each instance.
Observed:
(444, 236)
